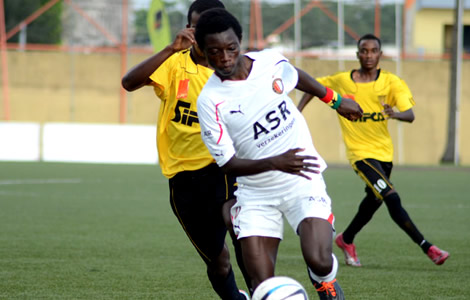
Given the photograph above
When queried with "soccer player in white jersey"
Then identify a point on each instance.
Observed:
(254, 131)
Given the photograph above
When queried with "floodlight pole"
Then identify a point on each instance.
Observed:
(3, 54)
(458, 73)
(123, 48)
(398, 37)
(297, 28)
(377, 19)
(340, 34)
(298, 39)
(451, 153)
(256, 26)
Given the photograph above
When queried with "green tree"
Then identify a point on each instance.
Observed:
(317, 28)
(176, 16)
(46, 29)
(141, 35)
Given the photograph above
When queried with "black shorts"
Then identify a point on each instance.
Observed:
(196, 198)
(376, 174)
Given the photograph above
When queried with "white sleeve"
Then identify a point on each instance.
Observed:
(213, 131)
(289, 75)
(270, 58)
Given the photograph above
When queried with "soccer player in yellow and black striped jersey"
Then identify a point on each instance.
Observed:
(199, 190)
(369, 145)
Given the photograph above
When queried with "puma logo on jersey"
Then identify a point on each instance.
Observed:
(237, 111)
(318, 199)
(184, 115)
(208, 133)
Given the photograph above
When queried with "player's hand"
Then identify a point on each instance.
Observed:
(184, 39)
(292, 163)
(388, 111)
(349, 108)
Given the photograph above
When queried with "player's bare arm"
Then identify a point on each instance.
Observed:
(308, 84)
(288, 162)
(306, 97)
(138, 76)
(405, 116)
(348, 108)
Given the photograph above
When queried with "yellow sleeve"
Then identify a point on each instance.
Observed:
(402, 97)
(163, 76)
(325, 81)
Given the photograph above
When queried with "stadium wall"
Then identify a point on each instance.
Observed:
(78, 88)
(78, 142)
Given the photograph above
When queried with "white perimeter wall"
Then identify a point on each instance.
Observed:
(71, 142)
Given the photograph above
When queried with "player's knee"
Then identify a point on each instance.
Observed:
(221, 269)
(220, 266)
(390, 192)
(226, 213)
(392, 200)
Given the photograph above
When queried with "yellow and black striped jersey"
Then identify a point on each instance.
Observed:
(178, 82)
(369, 137)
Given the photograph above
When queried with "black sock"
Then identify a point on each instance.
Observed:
(402, 219)
(226, 288)
(367, 208)
(425, 245)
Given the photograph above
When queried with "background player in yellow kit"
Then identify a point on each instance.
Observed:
(198, 187)
(369, 145)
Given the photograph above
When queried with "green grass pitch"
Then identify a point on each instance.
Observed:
(91, 231)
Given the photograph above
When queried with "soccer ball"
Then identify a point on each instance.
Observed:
(280, 288)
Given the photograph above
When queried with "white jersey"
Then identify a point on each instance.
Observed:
(255, 119)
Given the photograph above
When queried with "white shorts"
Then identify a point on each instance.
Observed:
(252, 219)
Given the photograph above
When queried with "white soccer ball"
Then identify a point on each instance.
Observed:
(280, 288)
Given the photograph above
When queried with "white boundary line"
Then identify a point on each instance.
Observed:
(41, 181)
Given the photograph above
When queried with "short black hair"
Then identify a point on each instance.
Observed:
(215, 21)
(200, 6)
(369, 36)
